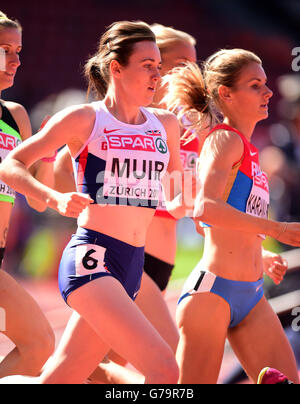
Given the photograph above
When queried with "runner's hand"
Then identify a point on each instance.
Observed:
(274, 266)
(71, 204)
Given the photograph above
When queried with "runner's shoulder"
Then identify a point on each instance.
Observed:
(167, 118)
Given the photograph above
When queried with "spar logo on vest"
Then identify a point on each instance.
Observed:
(188, 159)
(8, 142)
(161, 146)
(132, 142)
(259, 198)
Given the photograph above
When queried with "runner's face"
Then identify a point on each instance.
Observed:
(251, 95)
(177, 55)
(140, 77)
(11, 45)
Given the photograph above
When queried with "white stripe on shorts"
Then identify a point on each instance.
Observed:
(206, 284)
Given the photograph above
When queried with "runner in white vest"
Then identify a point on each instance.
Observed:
(120, 151)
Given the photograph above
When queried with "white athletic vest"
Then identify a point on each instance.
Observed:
(122, 164)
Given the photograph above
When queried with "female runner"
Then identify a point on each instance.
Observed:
(121, 151)
(223, 296)
(176, 47)
(25, 324)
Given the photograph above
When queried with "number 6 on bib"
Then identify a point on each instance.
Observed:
(90, 259)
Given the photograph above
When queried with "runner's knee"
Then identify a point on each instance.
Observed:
(165, 369)
(36, 352)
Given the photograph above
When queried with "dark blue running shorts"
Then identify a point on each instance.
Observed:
(91, 255)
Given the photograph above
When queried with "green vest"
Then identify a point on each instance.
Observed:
(9, 139)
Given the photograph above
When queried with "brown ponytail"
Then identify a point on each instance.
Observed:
(95, 78)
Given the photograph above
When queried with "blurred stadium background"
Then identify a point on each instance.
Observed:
(59, 36)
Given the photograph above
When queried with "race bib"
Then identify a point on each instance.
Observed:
(259, 198)
(89, 260)
(135, 176)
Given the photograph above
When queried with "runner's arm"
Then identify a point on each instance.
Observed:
(218, 154)
(72, 125)
(63, 172)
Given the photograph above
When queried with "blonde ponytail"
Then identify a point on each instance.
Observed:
(188, 97)
(194, 95)
(6, 22)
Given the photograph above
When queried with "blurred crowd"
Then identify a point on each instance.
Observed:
(281, 157)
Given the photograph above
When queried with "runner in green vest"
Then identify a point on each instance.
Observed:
(21, 319)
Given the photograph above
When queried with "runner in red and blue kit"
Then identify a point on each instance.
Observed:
(246, 190)
(225, 300)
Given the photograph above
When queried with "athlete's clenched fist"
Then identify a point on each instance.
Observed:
(71, 204)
